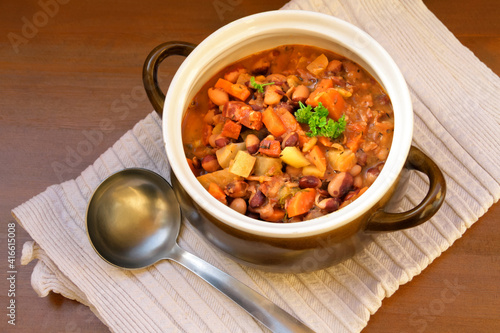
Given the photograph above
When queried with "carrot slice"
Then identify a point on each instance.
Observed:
(234, 89)
(303, 139)
(312, 100)
(273, 122)
(217, 193)
(333, 101)
(318, 158)
(327, 142)
(224, 85)
(324, 84)
(301, 202)
(330, 98)
(289, 121)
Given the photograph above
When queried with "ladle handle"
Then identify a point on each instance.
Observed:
(258, 306)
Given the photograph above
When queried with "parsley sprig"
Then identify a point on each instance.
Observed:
(318, 121)
(259, 86)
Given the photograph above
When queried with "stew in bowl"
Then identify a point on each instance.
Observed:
(289, 134)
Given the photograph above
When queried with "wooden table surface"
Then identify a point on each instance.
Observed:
(66, 65)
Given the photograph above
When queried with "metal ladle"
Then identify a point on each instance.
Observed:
(133, 221)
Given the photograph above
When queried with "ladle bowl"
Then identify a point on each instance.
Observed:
(133, 218)
(133, 221)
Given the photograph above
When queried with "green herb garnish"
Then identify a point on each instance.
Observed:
(318, 121)
(259, 87)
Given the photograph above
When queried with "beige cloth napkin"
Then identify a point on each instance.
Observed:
(456, 122)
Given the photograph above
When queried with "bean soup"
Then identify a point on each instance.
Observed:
(289, 134)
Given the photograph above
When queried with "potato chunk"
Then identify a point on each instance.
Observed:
(341, 160)
(219, 177)
(294, 157)
(267, 166)
(227, 153)
(243, 164)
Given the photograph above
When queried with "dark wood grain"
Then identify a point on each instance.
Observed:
(82, 66)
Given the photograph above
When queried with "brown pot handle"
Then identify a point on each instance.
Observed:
(150, 69)
(384, 221)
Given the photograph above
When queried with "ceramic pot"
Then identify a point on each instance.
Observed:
(317, 243)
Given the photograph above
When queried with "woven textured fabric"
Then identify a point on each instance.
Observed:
(462, 138)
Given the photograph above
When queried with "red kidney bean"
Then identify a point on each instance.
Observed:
(252, 143)
(252, 215)
(209, 163)
(340, 184)
(371, 175)
(257, 199)
(323, 192)
(290, 140)
(351, 194)
(309, 182)
(221, 141)
(329, 204)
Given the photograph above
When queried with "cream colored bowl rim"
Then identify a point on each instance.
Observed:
(284, 21)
